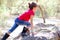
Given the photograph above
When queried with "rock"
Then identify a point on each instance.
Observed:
(34, 38)
(48, 31)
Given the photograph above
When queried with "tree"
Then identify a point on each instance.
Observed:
(40, 8)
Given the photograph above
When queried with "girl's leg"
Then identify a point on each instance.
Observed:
(5, 36)
(22, 33)
(13, 28)
(25, 29)
(10, 31)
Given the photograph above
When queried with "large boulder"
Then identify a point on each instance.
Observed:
(44, 32)
(49, 31)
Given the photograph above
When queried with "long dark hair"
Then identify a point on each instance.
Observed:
(31, 5)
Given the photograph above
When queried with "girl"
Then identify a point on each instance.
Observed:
(23, 20)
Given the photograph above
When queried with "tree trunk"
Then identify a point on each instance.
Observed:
(40, 8)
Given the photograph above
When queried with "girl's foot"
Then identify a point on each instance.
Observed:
(5, 36)
(25, 32)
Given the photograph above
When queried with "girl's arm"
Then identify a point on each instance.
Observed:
(31, 21)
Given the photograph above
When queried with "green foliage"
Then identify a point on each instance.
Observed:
(19, 6)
